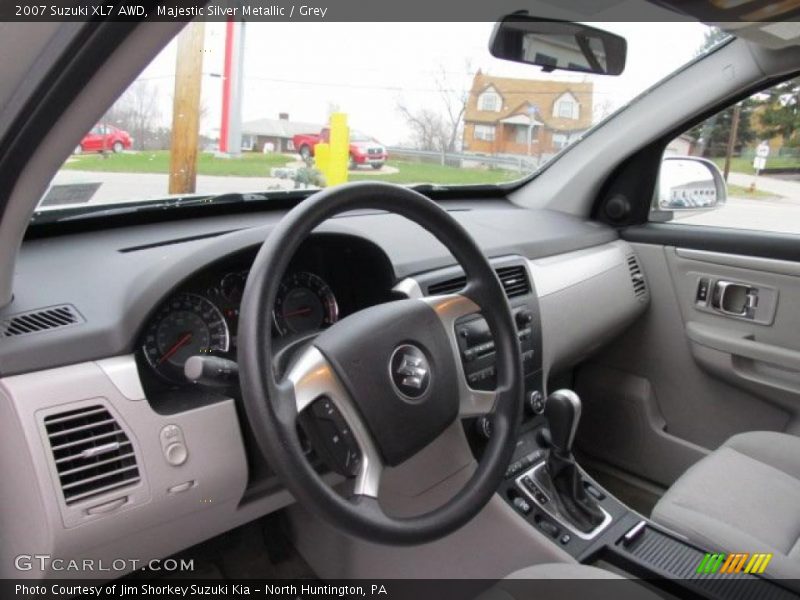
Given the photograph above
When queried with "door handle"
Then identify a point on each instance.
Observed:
(734, 299)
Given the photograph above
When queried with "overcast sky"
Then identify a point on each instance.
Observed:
(365, 69)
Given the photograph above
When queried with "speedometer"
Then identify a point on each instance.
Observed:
(304, 303)
(186, 325)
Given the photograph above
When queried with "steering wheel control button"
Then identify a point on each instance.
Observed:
(331, 438)
(410, 371)
(173, 445)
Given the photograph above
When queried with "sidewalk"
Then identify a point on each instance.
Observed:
(126, 187)
(764, 183)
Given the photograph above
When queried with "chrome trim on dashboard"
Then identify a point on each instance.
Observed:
(409, 287)
(449, 308)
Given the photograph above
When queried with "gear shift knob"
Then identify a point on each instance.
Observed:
(562, 411)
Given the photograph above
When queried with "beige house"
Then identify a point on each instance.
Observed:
(524, 116)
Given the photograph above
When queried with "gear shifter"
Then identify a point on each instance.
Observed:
(563, 411)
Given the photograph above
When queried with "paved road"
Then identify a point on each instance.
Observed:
(779, 214)
(774, 185)
(125, 187)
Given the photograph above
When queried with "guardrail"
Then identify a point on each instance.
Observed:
(519, 163)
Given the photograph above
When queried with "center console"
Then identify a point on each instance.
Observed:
(616, 536)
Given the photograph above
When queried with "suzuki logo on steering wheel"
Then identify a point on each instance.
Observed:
(410, 371)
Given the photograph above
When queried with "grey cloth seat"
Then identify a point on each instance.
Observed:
(566, 580)
(743, 497)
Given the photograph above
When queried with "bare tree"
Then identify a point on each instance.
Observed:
(454, 98)
(428, 129)
(440, 129)
(137, 111)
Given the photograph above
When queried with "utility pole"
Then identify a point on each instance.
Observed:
(737, 112)
(186, 109)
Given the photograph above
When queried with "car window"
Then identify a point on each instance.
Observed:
(755, 146)
(439, 111)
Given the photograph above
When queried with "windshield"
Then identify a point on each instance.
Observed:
(233, 108)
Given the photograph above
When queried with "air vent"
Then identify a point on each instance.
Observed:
(92, 453)
(514, 279)
(451, 286)
(41, 319)
(637, 277)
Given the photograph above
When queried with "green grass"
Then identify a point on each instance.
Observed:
(259, 165)
(418, 172)
(745, 165)
(248, 165)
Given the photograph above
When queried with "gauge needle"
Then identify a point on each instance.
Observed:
(296, 313)
(183, 340)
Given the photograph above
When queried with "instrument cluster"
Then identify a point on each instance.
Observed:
(330, 277)
(206, 321)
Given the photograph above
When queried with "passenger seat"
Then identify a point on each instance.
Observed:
(743, 497)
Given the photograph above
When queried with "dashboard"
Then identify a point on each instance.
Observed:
(143, 298)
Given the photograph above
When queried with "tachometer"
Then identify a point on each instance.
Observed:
(304, 303)
(187, 324)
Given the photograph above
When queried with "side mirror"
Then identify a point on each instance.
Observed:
(558, 45)
(690, 183)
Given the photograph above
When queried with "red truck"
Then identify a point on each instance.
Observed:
(364, 150)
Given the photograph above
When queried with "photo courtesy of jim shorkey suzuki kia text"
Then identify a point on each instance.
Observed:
(294, 591)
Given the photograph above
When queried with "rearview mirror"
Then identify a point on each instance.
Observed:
(690, 183)
(558, 45)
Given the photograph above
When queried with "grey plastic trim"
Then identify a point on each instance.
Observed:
(172, 508)
(753, 263)
(124, 375)
(742, 344)
(586, 298)
(556, 273)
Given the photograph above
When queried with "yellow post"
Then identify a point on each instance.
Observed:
(322, 160)
(339, 150)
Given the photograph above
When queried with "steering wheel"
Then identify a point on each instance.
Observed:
(393, 371)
